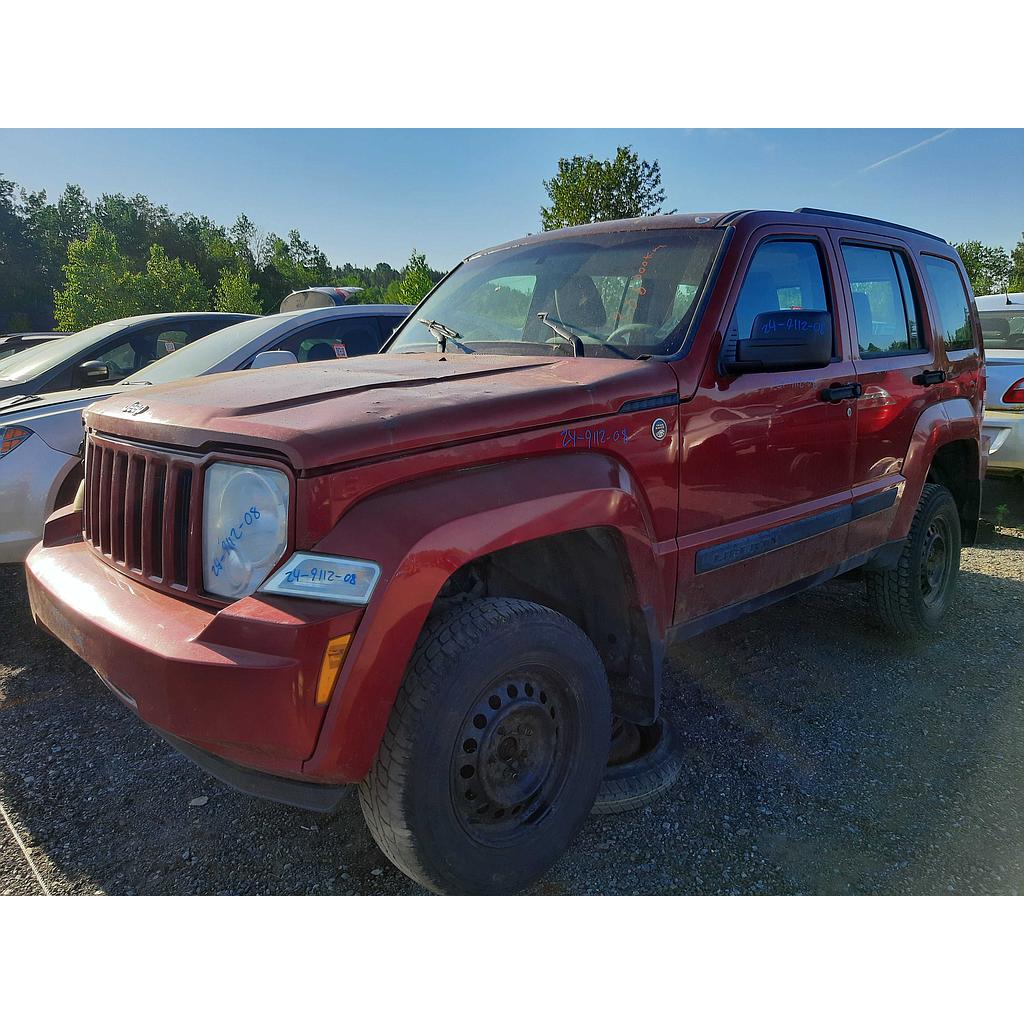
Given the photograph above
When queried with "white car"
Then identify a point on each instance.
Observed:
(1002, 325)
(41, 435)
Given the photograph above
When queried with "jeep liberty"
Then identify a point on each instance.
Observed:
(440, 571)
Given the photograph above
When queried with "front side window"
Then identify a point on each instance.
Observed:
(954, 305)
(884, 305)
(624, 294)
(333, 339)
(784, 274)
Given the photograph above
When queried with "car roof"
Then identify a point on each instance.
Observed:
(1004, 302)
(339, 312)
(712, 220)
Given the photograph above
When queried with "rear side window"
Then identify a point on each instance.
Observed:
(784, 274)
(954, 305)
(884, 305)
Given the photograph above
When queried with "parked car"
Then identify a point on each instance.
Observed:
(41, 435)
(442, 572)
(1002, 325)
(317, 298)
(106, 353)
(12, 343)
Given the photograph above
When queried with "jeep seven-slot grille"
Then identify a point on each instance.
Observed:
(142, 512)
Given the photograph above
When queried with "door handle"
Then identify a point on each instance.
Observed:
(929, 377)
(839, 392)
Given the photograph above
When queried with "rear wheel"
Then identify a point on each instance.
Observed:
(494, 750)
(911, 599)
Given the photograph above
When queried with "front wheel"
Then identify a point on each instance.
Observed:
(494, 751)
(911, 599)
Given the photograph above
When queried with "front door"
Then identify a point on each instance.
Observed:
(767, 458)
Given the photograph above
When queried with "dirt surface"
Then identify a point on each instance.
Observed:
(820, 759)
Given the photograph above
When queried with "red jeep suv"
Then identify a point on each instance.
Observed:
(440, 571)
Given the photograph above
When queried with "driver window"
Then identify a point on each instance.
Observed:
(784, 274)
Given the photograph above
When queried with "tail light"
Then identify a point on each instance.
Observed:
(1015, 393)
(11, 437)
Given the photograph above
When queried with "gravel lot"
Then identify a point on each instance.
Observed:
(821, 759)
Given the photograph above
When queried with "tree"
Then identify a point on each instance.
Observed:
(96, 283)
(23, 293)
(168, 285)
(236, 293)
(414, 283)
(586, 190)
(100, 284)
(1017, 266)
(987, 266)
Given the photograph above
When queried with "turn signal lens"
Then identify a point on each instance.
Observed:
(1014, 394)
(11, 437)
(330, 667)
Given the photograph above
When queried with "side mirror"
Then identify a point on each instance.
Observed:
(786, 339)
(276, 357)
(91, 372)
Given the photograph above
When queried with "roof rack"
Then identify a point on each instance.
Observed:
(867, 220)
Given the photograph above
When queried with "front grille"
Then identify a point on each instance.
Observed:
(143, 512)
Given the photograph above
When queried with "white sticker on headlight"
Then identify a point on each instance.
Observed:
(324, 578)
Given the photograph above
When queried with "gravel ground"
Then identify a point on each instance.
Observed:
(821, 758)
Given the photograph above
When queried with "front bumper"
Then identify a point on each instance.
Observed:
(30, 477)
(237, 683)
(1004, 431)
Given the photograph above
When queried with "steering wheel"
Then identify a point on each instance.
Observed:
(626, 329)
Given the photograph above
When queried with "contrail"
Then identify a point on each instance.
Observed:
(904, 152)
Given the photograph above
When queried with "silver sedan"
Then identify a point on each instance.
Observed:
(40, 435)
(1002, 324)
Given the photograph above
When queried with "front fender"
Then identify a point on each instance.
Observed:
(421, 533)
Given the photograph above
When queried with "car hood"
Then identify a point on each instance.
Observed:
(323, 414)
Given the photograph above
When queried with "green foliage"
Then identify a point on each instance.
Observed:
(169, 285)
(236, 293)
(586, 190)
(413, 285)
(100, 284)
(97, 286)
(987, 266)
(1017, 266)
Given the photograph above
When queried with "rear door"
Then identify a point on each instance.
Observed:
(898, 368)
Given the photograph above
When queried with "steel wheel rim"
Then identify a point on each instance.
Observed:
(936, 559)
(512, 756)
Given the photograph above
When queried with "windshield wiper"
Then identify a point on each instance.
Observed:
(564, 333)
(443, 334)
(9, 403)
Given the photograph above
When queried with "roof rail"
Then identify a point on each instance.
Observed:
(728, 218)
(868, 220)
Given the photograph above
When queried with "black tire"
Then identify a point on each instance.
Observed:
(643, 778)
(494, 750)
(911, 599)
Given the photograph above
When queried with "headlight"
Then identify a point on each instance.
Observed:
(245, 526)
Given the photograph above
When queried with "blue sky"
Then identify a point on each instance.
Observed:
(365, 196)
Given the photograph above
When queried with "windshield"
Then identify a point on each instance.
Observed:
(205, 353)
(623, 294)
(999, 329)
(39, 359)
